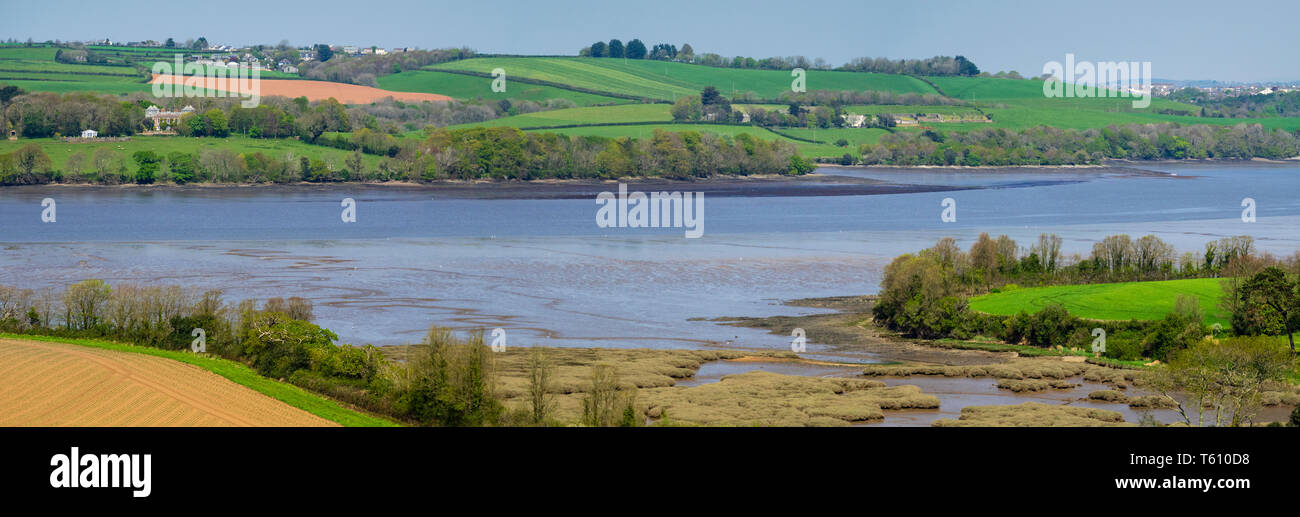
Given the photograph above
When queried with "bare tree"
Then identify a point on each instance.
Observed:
(540, 383)
(84, 303)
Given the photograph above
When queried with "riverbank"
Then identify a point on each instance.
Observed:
(718, 186)
(831, 182)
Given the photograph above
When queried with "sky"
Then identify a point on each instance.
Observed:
(1187, 39)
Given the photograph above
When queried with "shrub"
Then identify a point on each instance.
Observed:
(278, 345)
(1124, 345)
(449, 382)
(1051, 326)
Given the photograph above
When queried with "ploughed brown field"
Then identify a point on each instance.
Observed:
(313, 90)
(57, 384)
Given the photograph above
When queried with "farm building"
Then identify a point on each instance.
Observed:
(89, 133)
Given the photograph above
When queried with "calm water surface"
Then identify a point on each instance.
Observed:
(544, 271)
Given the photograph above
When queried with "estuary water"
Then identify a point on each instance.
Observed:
(547, 273)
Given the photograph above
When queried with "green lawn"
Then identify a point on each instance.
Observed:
(855, 136)
(1118, 301)
(669, 80)
(887, 108)
(467, 87)
(242, 375)
(1018, 104)
(34, 69)
(589, 115)
(647, 130)
(59, 151)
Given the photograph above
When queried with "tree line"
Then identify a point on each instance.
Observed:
(461, 154)
(937, 65)
(366, 68)
(635, 49)
(1051, 146)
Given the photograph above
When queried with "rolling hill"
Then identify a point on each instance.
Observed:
(665, 80)
(469, 88)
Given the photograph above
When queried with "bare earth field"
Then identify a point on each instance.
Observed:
(56, 384)
(313, 90)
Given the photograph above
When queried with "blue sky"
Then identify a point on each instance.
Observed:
(1190, 39)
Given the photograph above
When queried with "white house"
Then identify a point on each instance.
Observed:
(89, 133)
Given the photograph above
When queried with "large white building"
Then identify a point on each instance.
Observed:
(160, 117)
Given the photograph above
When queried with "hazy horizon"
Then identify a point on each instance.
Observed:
(1191, 40)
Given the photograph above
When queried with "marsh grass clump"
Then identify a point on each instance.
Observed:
(1033, 385)
(571, 367)
(1108, 396)
(1032, 414)
(770, 399)
(1018, 374)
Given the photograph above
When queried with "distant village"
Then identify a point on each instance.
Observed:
(230, 56)
(1226, 90)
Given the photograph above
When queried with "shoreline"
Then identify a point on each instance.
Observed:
(766, 185)
(718, 186)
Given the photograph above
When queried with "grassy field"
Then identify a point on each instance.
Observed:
(1018, 104)
(59, 151)
(239, 374)
(657, 116)
(965, 111)
(466, 87)
(855, 137)
(34, 69)
(669, 80)
(652, 113)
(647, 130)
(1118, 301)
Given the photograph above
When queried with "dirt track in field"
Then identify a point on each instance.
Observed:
(57, 384)
(313, 90)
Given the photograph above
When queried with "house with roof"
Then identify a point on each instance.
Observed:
(165, 119)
